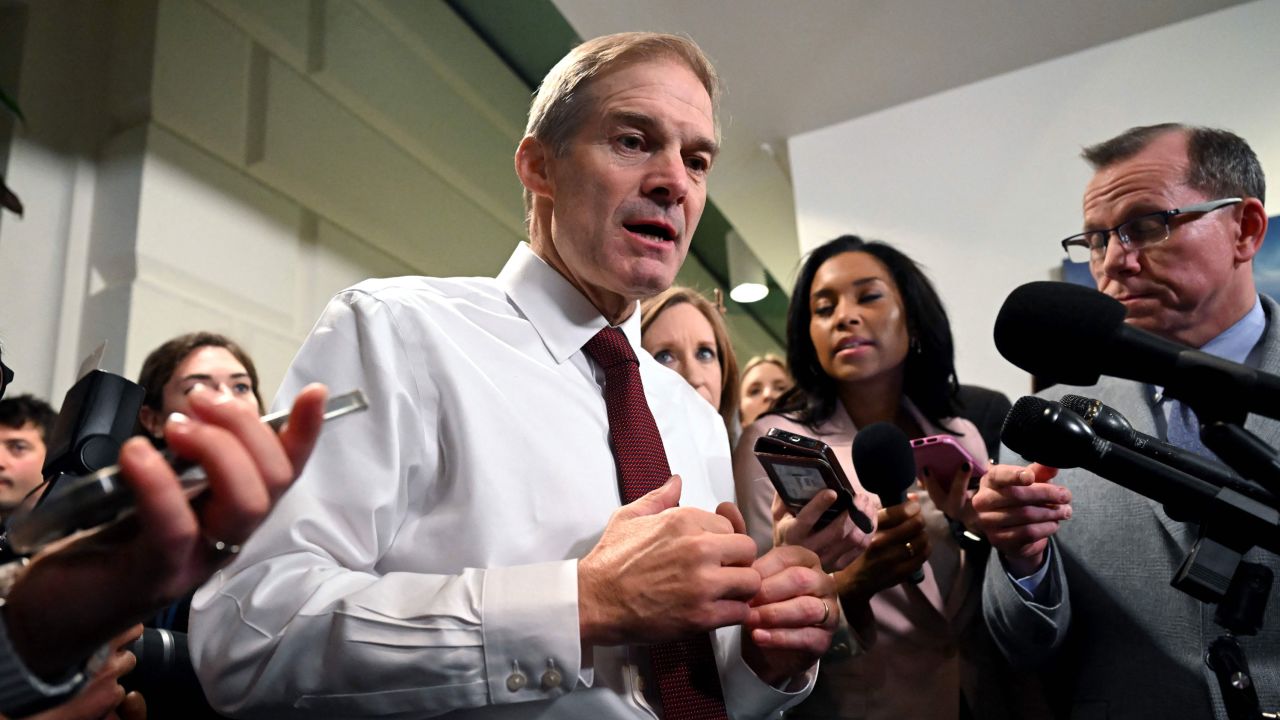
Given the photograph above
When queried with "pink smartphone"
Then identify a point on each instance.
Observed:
(944, 456)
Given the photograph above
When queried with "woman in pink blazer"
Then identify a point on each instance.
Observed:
(869, 341)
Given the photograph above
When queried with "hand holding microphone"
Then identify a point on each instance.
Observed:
(886, 466)
(1018, 509)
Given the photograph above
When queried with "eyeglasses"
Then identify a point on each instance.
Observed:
(1136, 234)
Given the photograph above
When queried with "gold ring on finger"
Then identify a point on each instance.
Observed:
(826, 613)
(911, 549)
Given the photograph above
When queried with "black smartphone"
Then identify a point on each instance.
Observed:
(102, 498)
(800, 467)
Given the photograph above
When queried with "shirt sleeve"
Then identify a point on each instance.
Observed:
(1033, 586)
(746, 696)
(754, 490)
(308, 622)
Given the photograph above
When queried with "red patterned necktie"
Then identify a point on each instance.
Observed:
(688, 682)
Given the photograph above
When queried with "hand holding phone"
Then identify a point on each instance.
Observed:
(800, 467)
(102, 499)
(943, 457)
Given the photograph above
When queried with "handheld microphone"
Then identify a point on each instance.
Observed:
(886, 466)
(1109, 424)
(1045, 432)
(1070, 334)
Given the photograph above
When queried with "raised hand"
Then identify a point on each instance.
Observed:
(836, 544)
(899, 548)
(1018, 510)
(662, 572)
(132, 569)
(792, 617)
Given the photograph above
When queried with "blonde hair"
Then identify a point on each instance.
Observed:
(729, 379)
(770, 358)
(563, 98)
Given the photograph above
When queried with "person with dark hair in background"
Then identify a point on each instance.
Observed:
(169, 374)
(987, 409)
(502, 534)
(200, 359)
(74, 598)
(764, 380)
(683, 331)
(25, 423)
(868, 341)
(1173, 218)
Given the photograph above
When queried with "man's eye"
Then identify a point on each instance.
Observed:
(631, 142)
(698, 164)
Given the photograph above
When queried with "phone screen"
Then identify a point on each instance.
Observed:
(800, 482)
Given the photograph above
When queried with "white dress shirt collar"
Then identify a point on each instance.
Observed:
(562, 316)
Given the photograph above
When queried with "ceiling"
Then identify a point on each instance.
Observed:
(792, 67)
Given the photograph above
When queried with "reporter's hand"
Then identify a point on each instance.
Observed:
(792, 617)
(837, 544)
(952, 495)
(662, 572)
(890, 560)
(134, 568)
(102, 696)
(1018, 509)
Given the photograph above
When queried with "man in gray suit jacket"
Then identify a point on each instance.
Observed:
(1173, 218)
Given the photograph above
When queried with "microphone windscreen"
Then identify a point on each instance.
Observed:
(1043, 431)
(884, 462)
(1077, 404)
(1024, 419)
(1039, 319)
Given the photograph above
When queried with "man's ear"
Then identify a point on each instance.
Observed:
(1253, 228)
(533, 167)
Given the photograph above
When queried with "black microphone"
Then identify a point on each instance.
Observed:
(1045, 432)
(886, 466)
(1070, 334)
(1109, 424)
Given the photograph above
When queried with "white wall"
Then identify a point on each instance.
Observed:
(228, 165)
(980, 183)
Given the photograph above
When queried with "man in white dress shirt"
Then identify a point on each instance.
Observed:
(462, 547)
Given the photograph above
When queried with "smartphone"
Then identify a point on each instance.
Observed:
(943, 455)
(101, 499)
(800, 467)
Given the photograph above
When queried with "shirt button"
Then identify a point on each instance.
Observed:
(516, 681)
(551, 679)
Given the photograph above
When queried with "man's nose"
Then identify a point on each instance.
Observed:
(1119, 258)
(668, 180)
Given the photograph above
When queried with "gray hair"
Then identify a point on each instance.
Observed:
(1220, 163)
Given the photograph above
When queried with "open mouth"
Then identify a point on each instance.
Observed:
(652, 231)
